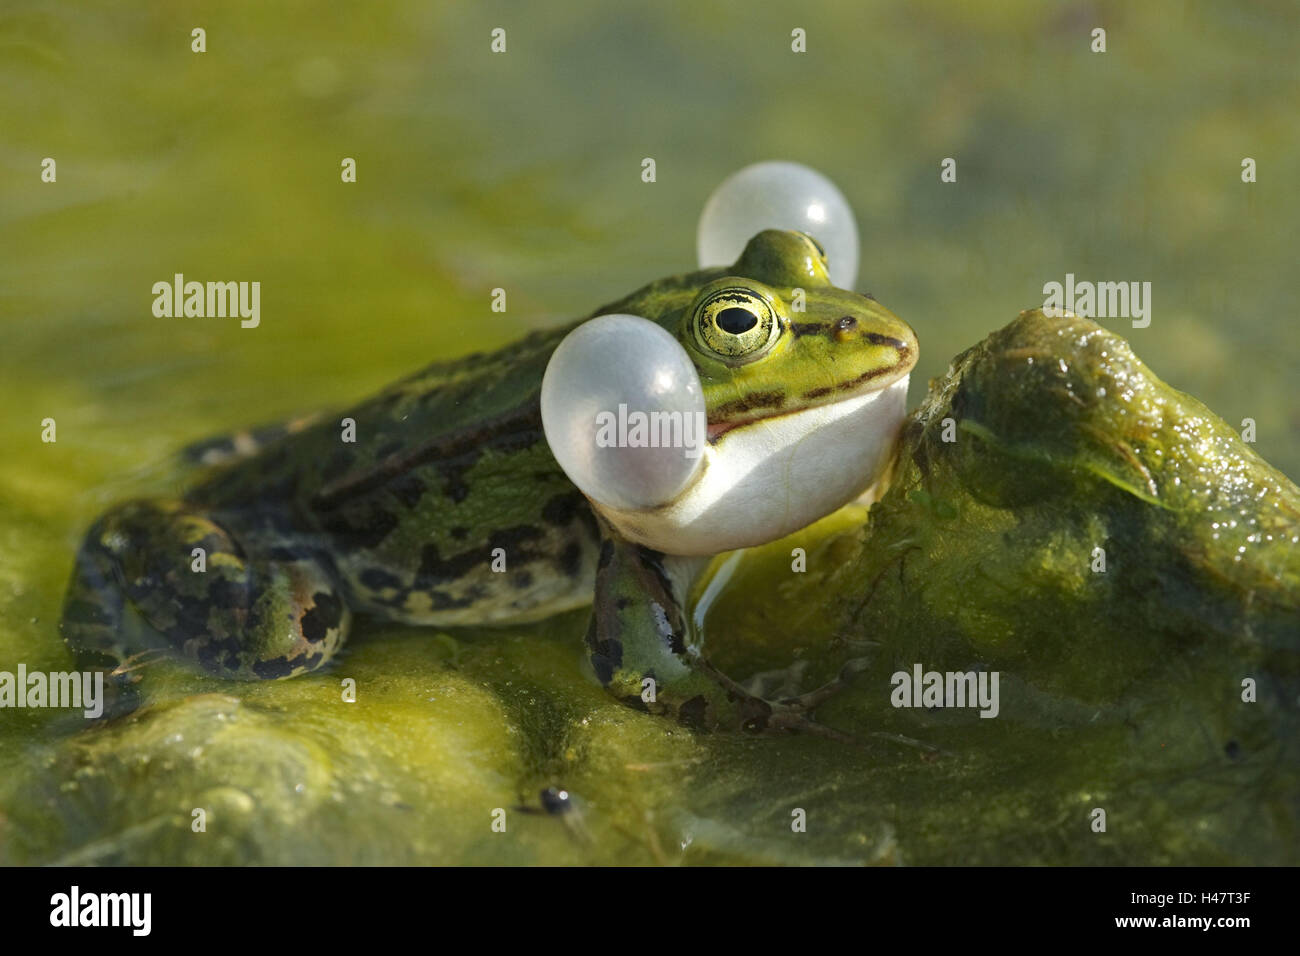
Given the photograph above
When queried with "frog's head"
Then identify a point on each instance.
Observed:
(773, 337)
(803, 387)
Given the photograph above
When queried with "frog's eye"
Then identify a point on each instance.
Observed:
(737, 325)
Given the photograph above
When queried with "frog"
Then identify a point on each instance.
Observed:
(438, 503)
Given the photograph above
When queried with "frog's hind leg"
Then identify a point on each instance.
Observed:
(157, 576)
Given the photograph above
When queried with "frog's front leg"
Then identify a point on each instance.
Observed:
(234, 597)
(637, 640)
(640, 648)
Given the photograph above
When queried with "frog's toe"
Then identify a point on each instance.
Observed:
(807, 703)
(157, 576)
(794, 714)
(93, 620)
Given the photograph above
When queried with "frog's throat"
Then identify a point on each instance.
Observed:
(774, 476)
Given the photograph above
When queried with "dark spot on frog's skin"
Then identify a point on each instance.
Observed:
(269, 670)
(222, 592)
(435, 569)
(571, 559)
(831, 330)
(361, 528)
(561, 509)
(442, 601)
(694, 713)
(606, 655)
(623, 603)
(408, 489)
(659, 588)
(191, 612)
(1232, 749)
(556, 801)
(750, 402)
(521, 580)
(566, 509)
(668, 625)
(898, 345)
(511, 540)
(454, 485)
(211, 654)
(325, 615)
(603, 665)
(504, 438)
(460, 532)
(377, 579)
(864, 377)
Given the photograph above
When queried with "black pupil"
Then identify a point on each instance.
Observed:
(736, 320)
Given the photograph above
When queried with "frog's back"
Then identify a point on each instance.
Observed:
(437, 500)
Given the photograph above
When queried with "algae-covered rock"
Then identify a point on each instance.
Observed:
(1129, 568)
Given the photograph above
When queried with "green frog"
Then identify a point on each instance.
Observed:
(439, 502)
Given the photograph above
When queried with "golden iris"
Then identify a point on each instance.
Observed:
(737, 325)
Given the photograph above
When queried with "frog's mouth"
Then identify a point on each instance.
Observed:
(875, 382)
(782, 474)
